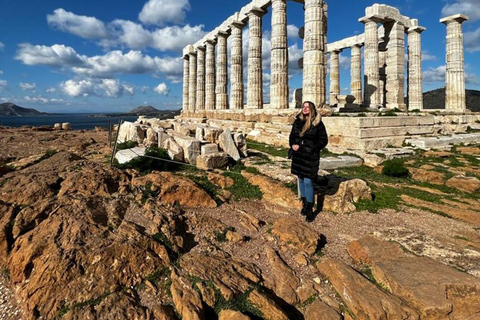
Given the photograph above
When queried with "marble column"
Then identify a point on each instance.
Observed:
(192, 90)
(415, 88)
(279, 59)
(356, 73)
(314, 55)
(455, 99)
(221, 99)
(236, 90)
(186, 65)
(334, 76)
(396, 66)
(255, 76)
(210, 75)
(371, 71)
(382, 64)
(200, 105)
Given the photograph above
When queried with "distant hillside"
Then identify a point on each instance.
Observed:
(144, 110)
(11, 109)
(435, 99)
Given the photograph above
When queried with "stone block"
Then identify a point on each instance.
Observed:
(152, 138)
(181, 128)
(211, 134)
(57, 126)
(199, 132)
(212, 161)
(209, 148)
(66, 126)
(126, 155)
(339, 162)
(162, 139)
(130, 131)
(228, 145)
(240, 140)
(175, 151)
(190, 146)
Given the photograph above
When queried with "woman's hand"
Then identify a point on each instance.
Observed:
(295, 147)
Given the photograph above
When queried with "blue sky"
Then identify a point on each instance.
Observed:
(109, 56)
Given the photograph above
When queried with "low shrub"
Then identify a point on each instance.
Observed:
(395, 168)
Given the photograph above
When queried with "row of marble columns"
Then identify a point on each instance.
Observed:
(205, 77)
(390, 53)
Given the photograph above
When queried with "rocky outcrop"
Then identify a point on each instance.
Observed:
(465, 184)
(296, 233)
(436, 290)
(284, 281)
(187, 301)
(348, 193)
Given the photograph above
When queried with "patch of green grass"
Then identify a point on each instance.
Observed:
(91, 302)
(241, 188)
(454, 161)
(367, 272)
(147, 164)
(384, 197)
(162, 238)
(202, 181)
(388, 113)
(395, 168)
(48, 154)
(239, 302)
(147, 192)
(292, 186)
(126, 145)
(308, 302)
(472, 159)
(272, 150)
(461, 238)
(362, 114)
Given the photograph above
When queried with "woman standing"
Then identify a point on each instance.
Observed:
(307, 138)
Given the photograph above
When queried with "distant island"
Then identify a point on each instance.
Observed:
(435, 99)
(11, 109)
(142, 111)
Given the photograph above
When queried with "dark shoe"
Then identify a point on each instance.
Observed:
(304, 204)
(310, 215)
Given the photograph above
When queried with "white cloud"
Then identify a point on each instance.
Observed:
(27, 86)
(292, 31)
(82, 26)
(1, 46)
(176, 38)
(1, 71)
(472, 79)
(3, 84)
(41, 99)
(472, 40)
(469, 7)
(105, 66)
(427, 56)
(162, 89)
(51, 90)
(159, 12)
(434, 74)
(57, 55)
(104, 88)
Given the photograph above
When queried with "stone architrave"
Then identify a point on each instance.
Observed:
(314, 57)
(356, 74)
(415, 87)
(228, 145)
(221, 95)
(371, 66)
(200, 105)
(455, 99)
(186, 74)
(126, 155)
(395, 69)
(279, 58)
(210, 75)
(255, 75)
(190, 146)
(192, 88)
(236, 91)
(334, 76)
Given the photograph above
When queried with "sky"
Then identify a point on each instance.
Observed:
(114, 55)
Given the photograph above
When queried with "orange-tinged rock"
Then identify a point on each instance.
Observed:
(296, 233)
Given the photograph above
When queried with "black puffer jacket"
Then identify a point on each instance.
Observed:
(306, 161)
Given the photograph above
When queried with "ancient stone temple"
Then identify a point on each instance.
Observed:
(390, 79)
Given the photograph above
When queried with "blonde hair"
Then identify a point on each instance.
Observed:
(308, 118)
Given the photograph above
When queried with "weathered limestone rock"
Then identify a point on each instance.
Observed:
(232, 315)
(209, 148)
(172, 189)
(274, 192)
(465, 184)
(187, 301)
(319, 310)
(25, 162)
(296, 233)
(240, 140)
(212, 161)
(230, 276)
(268, 307)
(175, 151)
(152, 138)
(126, 155)
(182, 128)
(228, 145)
(220, 180)
(190, 146)
(199, 132)
(66, 126)
(162, 139)
(362, 297)
(426, 175)
(436, 290)
(57, 126)
(284, 281)
(349, 192)
(212, 134)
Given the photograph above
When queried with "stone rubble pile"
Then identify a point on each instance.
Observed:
(205, 146)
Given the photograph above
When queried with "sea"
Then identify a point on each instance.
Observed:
(78, 121)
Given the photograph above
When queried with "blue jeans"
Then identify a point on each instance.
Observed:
(306, 188)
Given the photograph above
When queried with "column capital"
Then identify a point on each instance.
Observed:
(336, 51)
(416, 29)
(366, 20)
(211, 41)
(257, 11)
(357, 45)
(201, 47)
(238, 24)
(460, 18)
(222, 33)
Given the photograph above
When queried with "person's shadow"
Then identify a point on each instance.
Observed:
(326, 185)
